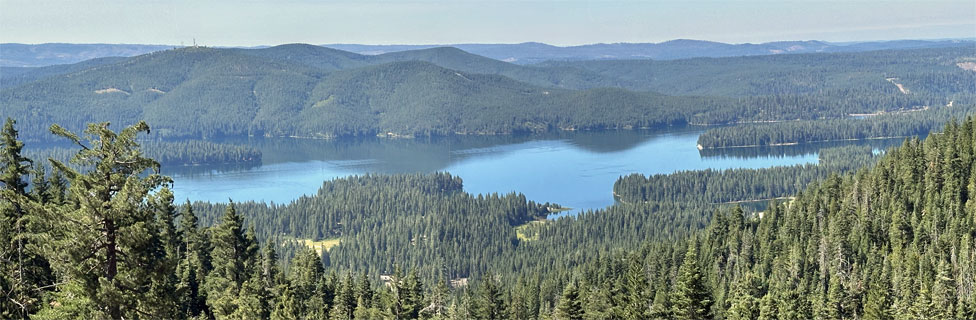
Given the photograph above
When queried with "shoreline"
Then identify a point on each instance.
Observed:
(700, 147)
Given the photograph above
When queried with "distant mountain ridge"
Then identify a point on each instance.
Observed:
(311, 91)
(38, 55)
(534, 52)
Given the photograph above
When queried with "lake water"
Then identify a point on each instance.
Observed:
(574, 169)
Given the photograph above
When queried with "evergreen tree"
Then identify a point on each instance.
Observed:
(489, 304)
(344, 303)
(230, 257)
(364, 292)
(253, 301)
(111, 230)
(23, 268)
(164, 295)
(597, 303)
(691, 298)
(943, 293)
(39, 185)
(194, 265)
(306, 281)
(15, 166)
(878, 300)
(412, 294)
(661, 308)
(438, 302)
(767, 308)
(398, 296)
(637, 291)
(286, 308)
(743, 304)
(569, 306)
(57, 187)
(270, 275)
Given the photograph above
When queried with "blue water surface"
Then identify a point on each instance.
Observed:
(573, 169)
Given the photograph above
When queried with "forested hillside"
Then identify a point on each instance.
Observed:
(874, 126)
(309, 91)
(922, 71)
(15, 76)
(171, 153)
(892, 241)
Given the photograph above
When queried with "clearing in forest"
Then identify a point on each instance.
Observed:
(900, 87)
(320, 246)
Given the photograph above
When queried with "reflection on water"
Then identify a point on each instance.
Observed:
(797, 150)
(575, 169)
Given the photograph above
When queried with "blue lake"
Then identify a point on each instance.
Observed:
(574, 169)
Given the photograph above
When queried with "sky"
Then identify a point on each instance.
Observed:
(569, 22)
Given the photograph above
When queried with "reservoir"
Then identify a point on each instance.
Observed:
(573, 169)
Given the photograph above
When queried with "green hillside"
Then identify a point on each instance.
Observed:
(15, 76)
(453, 58)
(309, 91)
(322, 58)
(202, 92)
(921, 71)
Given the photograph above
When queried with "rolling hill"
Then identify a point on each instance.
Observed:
(309, 91)
(37, 55)
(203, 92)
(534, 52)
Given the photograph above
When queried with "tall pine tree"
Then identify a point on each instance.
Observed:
(108, 242)
(691, 298)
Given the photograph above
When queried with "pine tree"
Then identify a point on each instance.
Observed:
(23, 269)
(943, 293)
(691, 298)
(397, 294)
(569, 306)
(164, 295)
(253, 301)
(637, 291)
(194, 266)
(344, 302)
(39, 185)
(661, 307)
(230, 257)
(878, 300)
(111, 230)
(306, 277)
(15, 165)
(364, 292)
(270, 275)
(489, 304)
(413, 294)
(57, 187)
(438, 302)
(286, 308)
(743, 304)
(597, 302)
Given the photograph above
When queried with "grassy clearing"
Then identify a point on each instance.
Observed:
(529, 231)
(321, 245)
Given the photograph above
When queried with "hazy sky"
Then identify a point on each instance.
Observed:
(248, 22)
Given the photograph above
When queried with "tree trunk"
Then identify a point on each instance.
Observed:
(111, 265)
